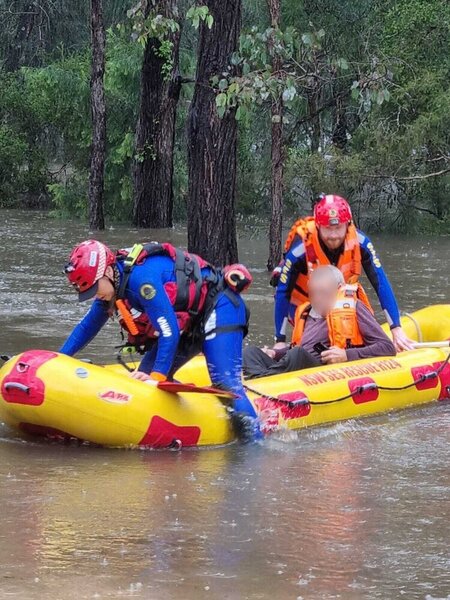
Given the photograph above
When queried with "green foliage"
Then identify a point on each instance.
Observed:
(148, 26)
(69, 198)
(363, 85)
(152, 27)
(13, 154)
(304, 68)
(197, 14)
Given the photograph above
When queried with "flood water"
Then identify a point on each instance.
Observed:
(358, 510)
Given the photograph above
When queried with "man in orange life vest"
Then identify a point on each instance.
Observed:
(333, 327)
(330, 237)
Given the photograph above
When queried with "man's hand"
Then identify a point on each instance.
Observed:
(269, 351)
(280, 346)
(333, 355)
(401, 340)
(140, 376)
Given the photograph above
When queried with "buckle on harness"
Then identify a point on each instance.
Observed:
(132, 256)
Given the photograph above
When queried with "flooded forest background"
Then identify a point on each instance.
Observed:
(225, 112)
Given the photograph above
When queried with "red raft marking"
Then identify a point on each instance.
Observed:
(444, 377)
(22, 385)
(369, 395)
(270, 411)
(428, 384)
(162, 434)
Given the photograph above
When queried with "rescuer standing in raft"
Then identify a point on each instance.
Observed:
(171, 287)
(330, 238)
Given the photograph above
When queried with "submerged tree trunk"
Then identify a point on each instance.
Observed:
(212, 143)
(277, 157)
(98, 113)
(155, 130)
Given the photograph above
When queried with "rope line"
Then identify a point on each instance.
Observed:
(357, 391)
(416, 325)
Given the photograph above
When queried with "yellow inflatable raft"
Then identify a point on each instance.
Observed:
(45, 393)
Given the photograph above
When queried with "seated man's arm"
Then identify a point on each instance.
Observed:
(376, 342)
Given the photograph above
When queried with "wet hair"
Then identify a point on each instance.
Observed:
(328, 271)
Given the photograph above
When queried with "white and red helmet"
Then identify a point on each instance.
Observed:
(332, 210)
(87, 264)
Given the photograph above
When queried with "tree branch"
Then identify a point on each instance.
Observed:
(411, 177)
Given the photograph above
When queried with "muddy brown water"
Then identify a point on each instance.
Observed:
(358, 510)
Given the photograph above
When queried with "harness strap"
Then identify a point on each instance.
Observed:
(235, 300)
(182, 278)
(227, 329)
(187, 270)
(128, 263)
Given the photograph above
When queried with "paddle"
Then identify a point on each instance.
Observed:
(174, 387)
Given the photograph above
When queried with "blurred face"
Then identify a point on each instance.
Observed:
(322, 294)
(333, 236)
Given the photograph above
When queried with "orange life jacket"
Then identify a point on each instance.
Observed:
(349, 262)
(342, 321)
(139, 330)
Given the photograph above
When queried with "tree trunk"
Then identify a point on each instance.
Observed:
(315, 124)
(155, 130)
(212, 143)
(277, 157)
(15, 56)
(98, 114)
(339, 135)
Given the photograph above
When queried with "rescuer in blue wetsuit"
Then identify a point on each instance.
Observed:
(169, 286)
(330, 238)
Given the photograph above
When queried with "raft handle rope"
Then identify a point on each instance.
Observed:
(367, 387)
(12, 385)
(416, 325)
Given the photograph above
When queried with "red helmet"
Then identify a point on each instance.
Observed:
(332, 210)
(238, 277)
(87, 264)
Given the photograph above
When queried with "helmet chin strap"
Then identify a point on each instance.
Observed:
(116, 278)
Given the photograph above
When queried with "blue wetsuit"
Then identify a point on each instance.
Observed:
(145, 292)
(295, 263)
